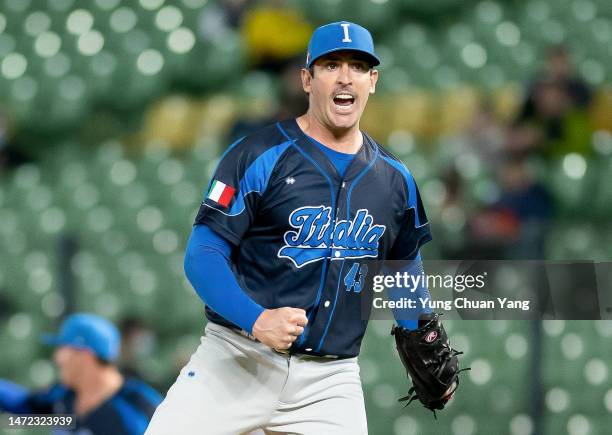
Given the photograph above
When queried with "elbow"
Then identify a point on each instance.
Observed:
(198, 262)
(189, 261)
(190, 266)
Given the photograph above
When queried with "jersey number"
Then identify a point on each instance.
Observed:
(349, 279)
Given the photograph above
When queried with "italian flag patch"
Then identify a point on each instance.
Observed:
(220, 193)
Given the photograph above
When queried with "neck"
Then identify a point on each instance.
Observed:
(347, 140)
(98, 386)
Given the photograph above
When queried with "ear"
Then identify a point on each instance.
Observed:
(373, 80)
(306, 79)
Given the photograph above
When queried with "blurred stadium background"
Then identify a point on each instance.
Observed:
(112, 115)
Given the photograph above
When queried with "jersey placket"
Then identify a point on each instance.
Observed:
(322, 302)
(332, 292)
(320, 316)
(316, 332)
(323, 305)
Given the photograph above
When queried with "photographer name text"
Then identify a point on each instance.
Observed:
(447, 305)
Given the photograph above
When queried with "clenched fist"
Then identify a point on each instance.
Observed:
(279, 328)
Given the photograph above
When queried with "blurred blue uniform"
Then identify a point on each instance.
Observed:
(126, 413)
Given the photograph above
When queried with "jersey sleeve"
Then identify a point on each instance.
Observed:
(414, 229)
(233, 195)
(13, 397)
(43, 401)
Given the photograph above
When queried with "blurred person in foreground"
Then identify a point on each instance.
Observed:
(90, 385)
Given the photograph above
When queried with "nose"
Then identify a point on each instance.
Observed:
(344, 74)
(57, 356)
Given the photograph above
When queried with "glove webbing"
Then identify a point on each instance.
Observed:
(412, 394)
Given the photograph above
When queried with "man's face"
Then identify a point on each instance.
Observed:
(340, 88)
(71, 363)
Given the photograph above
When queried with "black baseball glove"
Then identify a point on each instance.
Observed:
(430, 362)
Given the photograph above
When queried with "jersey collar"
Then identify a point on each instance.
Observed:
(363, 158)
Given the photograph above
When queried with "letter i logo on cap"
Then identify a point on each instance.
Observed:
(345, 27)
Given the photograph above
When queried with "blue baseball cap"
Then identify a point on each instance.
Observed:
(88, 331)
(342, 35)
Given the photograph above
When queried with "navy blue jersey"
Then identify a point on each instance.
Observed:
(128, 412)
(304, 235)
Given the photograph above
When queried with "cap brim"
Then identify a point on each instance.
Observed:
(56, 341)
(374, 61)
(50, 339)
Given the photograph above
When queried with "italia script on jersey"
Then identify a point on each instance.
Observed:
(316, 237)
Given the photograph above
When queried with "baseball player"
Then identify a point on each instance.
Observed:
(91, 387)
(279, 255)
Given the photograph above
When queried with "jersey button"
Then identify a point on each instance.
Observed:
(343, 184)
(326, 304)
(337, 254)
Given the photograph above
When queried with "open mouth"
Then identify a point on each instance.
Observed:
(344, 101)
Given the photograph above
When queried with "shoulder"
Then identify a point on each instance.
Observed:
(266, 140)
(135, 390)
(49, 396)
(393, 163)
(54, 393)
(399, 176)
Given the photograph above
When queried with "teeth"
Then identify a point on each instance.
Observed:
(344, 96)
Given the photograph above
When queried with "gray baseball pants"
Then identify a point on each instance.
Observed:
(233, 385)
